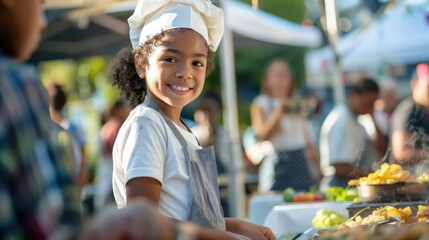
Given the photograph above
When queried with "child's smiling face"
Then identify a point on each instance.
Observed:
(177, 68)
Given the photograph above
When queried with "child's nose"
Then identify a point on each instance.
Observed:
(183, 71)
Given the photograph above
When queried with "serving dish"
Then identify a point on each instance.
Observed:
(399, 191)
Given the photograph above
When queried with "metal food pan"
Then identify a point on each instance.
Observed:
(400, 191)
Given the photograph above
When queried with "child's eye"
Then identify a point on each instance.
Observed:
(171, 60)
(198, 64)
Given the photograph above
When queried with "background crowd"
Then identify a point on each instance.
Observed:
(291, 142)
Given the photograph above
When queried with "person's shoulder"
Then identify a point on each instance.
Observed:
(339, 111)
(337, 117)
(145, 113)
(405, 107)
(143, 125)
(342, 108)
(262, 97)
(109, 125)
(146, 116)
(16, 70)
(262, 100)
(407, 103)
(344, 111)
(16, 76)
(404, 112)
(21, 91)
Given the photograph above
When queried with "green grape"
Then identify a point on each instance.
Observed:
(327, 218)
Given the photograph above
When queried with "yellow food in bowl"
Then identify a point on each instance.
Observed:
(387, 174)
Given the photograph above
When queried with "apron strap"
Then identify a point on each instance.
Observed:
(151, 104)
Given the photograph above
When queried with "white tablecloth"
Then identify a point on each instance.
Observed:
(260, 205)
(296, 217)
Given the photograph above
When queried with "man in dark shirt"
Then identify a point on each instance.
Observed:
(410, 124)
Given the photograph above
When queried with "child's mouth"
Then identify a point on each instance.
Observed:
(179, 89)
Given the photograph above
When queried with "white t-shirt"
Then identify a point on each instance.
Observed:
(342, 139)
(146, 147)
(291, 135)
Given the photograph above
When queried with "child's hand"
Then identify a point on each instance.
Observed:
(248, 229)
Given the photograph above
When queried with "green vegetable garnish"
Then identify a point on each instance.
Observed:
(354, 216)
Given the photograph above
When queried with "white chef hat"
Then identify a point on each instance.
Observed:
(153, 16)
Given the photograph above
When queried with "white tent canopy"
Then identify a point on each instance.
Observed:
(82, 28)
(91, 27)
(400, 35)
(257, 24)
(244, 20)
(260, 25)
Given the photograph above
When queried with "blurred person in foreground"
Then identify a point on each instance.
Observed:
(410, 125)
(57, 102)
(346, 150)
(38, 197)
(274, 120)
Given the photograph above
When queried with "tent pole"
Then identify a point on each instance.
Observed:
(229, 98)
(332, 29)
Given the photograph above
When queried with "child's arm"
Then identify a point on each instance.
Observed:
(147, 187)
(265, 126)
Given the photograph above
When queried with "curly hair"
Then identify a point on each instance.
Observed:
(125, 76)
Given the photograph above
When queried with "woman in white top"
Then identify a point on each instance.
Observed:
(273, 120)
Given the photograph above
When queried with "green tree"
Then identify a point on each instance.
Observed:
(292, 10)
